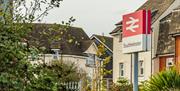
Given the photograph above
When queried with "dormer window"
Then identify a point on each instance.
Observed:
(55, 54)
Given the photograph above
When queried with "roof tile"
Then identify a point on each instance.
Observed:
(70, 41)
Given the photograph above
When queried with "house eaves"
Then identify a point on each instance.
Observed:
(94, 36)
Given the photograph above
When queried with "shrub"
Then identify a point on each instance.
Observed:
(168, 80)
(122, 85)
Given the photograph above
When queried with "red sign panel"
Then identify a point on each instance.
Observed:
(136, 31)
(136, 23)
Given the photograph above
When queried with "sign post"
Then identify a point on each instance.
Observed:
(135, 83)
(136, 37)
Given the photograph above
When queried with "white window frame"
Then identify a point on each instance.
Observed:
(56, 54)
(121, 69)
(169, 62)
(90, 61)
(141, 68)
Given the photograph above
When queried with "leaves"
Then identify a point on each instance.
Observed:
(122, 84)
(16, 71)
(164, 81)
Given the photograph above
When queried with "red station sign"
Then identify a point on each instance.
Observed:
(136, 31)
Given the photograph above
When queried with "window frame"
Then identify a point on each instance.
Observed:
(141, 68)
(121, 70)
(55, 55)
(169, 60)
(90, 61)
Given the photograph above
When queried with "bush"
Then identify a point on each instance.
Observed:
(168, 80)
(122, 85)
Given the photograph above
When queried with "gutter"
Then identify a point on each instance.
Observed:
(168, 54)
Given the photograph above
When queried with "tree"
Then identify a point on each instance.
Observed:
(98, 82)
(168, 80)
(51, 77)
(16, 72)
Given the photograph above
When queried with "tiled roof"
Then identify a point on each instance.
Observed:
(175, 26)
(159, 5)
(166, 43)
(119, 23)
(169, 27)
(70, 41)
(118, 28)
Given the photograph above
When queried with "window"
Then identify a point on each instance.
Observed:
(121, 69)
(169, 63)
(141, 68)
(55, 54)
(90, 61)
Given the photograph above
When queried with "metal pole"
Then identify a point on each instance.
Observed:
(131, 68)
(135, 83)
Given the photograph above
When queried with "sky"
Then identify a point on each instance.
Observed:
(94, 16)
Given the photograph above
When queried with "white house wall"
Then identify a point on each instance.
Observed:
(80, 61)
(119, 57)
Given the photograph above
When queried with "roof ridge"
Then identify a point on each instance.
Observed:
(101, 35)
(57, 24)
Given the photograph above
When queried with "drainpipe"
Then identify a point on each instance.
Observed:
(151, 51)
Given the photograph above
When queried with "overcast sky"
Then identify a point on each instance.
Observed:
(94, 16)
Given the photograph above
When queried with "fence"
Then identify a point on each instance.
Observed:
(72, 86)
(77, 86)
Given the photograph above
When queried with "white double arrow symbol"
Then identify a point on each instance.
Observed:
(132, 25)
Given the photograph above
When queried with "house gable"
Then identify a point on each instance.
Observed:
(92, 49)
(106, 41)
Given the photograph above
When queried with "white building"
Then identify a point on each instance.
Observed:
(70, 45)
(67, 46)
(148, 61)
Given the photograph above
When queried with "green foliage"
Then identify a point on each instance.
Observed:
(16, 71)
(86, 83)
(168, 80)
(122, 85)
(51, 77)
(98, 83)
